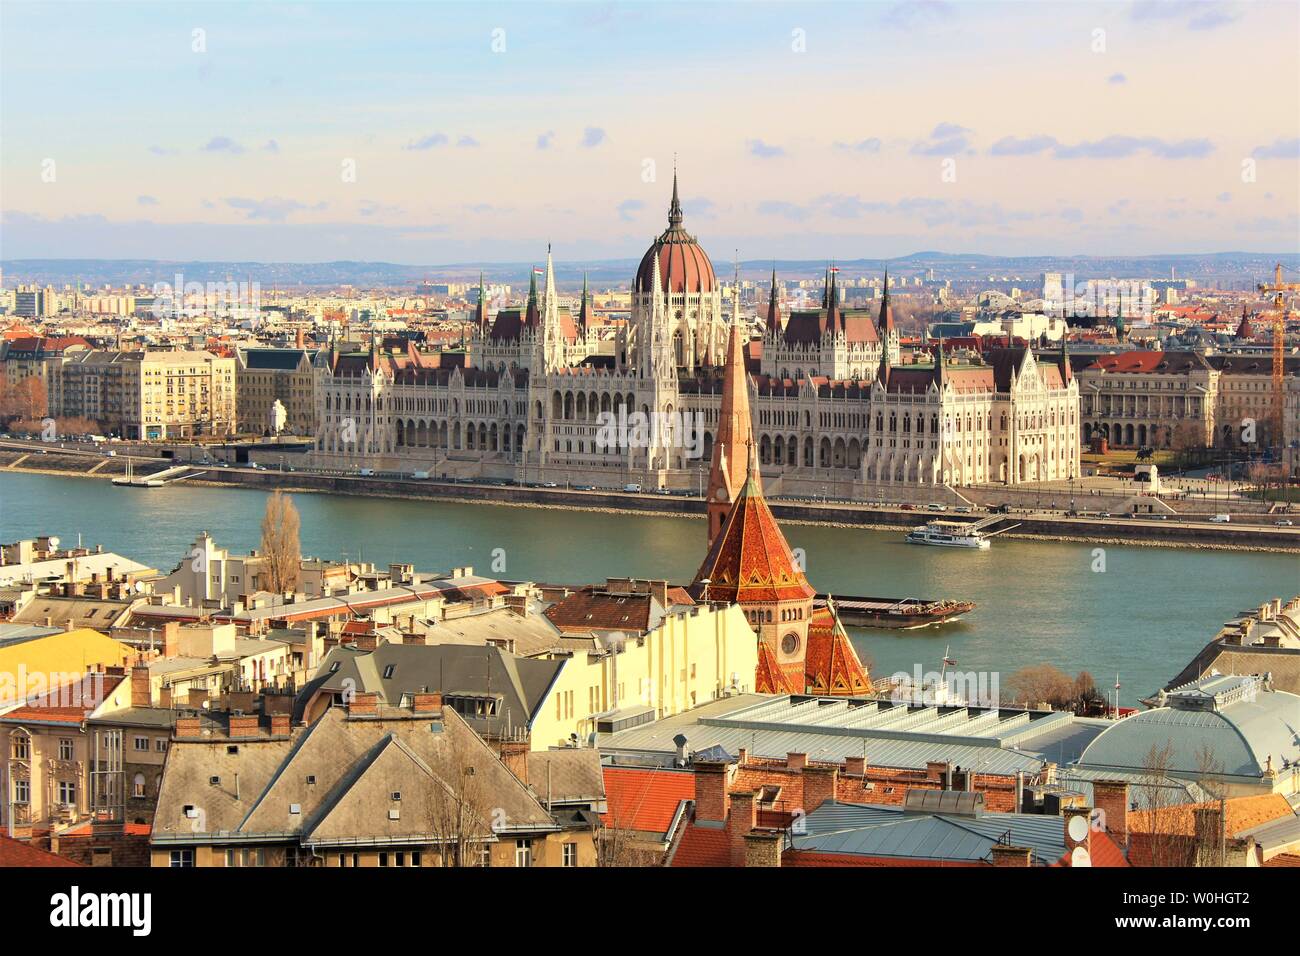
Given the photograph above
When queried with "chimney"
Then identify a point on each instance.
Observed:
(1004, 855)
(188, 727)
(762, 849)
(855, 766)
(742, 756)
(364, 705)
(242, 725)
(680, 742)
(740, 823)
(514, 754)
(818, 786)
(280, 725)
(1078, 836)
(141, 695)
(171, 639)
(796, 761)
(1110, 797)
(711, 799)
(426, 703)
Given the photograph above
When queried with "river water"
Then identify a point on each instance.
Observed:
(1139, 612)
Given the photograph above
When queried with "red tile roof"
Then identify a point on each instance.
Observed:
(67, 703)
(588, 610)
(645, 800)
(17, 853)
(703, 846)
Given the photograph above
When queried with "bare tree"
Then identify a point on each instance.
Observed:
(1167, 817)
(281, 552)
(456, 811)
(1042, 684)
(1209, 828)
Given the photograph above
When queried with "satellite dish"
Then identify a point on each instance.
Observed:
(1078, 829)
(1080, 857)
(54, 544)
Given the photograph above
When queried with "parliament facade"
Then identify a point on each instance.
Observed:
(834, 409)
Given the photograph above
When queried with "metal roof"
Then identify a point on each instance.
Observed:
(998, 741)
(881, 831)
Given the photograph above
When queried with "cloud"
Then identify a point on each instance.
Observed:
(592, 137)
(1029, 146)
(146, 200)
(917, 13)
(1116, 79)
(945, 140)
(272, 209)
(544, 140)
(432, 141)
(369, 207)
(699, 208)
(271, 146)
(222, 144)
(162, 151)
(1121, 147)
(1280, 149)
(763, 150)
(871, 145)
(1196, 14)
(467, 142)
(628, 209)
(1072, 214)
(786, 210)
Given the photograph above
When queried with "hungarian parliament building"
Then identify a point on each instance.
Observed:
(547, 395)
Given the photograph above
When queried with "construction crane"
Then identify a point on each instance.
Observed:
(1278, 288)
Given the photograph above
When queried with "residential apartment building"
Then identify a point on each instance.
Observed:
(146, 395)
(367, 785)
(266, 376)
(1185, 399)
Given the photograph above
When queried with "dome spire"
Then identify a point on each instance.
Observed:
(675, 210)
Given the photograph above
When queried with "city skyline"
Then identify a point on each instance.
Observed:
(800, 131)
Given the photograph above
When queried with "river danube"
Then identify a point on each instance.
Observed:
(1141, 612)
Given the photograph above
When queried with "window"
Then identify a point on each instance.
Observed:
(570, 854)
(160, 745)
(68, 792)
(142, 743)
(182, 858)
(523, 852)
(22, 747)
(383, 859)
(22, 791)
(388, 671)
(485, 855)
(65, 748)
(138, 786)
(415, 858)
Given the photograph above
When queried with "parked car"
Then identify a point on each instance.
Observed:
(1284, 522)
(1220, 519)
(633, 488)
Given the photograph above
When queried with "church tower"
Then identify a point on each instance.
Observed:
(735, 436)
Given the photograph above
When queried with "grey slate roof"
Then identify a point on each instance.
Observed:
(886, 831)
(452, 669)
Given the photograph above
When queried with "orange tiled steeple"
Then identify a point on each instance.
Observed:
(735, 429)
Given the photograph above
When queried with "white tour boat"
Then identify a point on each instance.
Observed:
(948, 534)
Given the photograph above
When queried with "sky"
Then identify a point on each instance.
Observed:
(441, 133)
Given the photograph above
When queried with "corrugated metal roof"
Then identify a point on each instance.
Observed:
(831, 729)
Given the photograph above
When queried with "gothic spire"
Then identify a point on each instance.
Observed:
(675, 210)
(773, 306)
(482, 304)
(530, 315)
(886, 323)
(583, 315)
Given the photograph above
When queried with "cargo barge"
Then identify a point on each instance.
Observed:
(899, 613)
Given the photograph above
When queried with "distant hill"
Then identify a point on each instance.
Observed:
(604, 273)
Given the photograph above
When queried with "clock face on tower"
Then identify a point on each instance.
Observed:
(790, 644)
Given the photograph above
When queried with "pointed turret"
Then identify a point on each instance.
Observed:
(773, 306)
(735, 430)
(834, 314)
(882, 370)
(938, 364)
(675, 207)
(826, 287)
(584, 315)
(1066, 372)
(886, 323)
(481, 311)
(531, 314)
